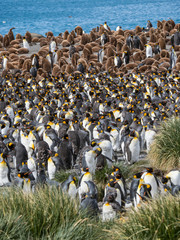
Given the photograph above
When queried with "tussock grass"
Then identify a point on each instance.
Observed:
(165, 149)
(47, 214)
(158, 219)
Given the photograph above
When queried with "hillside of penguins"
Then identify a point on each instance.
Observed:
(75, 101)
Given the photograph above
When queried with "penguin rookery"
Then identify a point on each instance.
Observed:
(83, 102)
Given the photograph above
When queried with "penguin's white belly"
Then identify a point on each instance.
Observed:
(121, 185)
(26, 186)
(48, 140)
(51, 170)
(32, 166)
(118, 198)
(150, 179)
(106, 147)
(108, 212)
(91, 163)
(175, 177)
(95, 133)
(72, 190)
(134, 148)
(115, 140)
(149, 136)
(3, 174)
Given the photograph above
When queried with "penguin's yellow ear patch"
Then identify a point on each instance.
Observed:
(148, 185)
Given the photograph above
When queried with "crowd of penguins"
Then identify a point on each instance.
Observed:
(82, 119)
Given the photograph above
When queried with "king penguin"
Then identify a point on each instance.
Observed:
(25, 43)
(4, 171)
(149, 178)
(69, 186)
(148, 51)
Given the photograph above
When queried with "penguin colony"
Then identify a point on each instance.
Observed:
(80, 99)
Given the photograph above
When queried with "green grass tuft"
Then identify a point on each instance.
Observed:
(158, 219)
(165, 149)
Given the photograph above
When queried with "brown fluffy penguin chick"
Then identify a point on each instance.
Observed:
(10, 34)
(18, 36)
(86, 53)
(6, 41)
(162, 43)
(1, 38)
(65, 43)
(28, 37)
(109, 52)
(119, 46)
(149, 61)
(27, 65)
(109, 63)
(49, 34)
(138, 29)
(75, 59)
(92, 36)
(65, 35)
(23, 50)
(78, 30)
(159, 24)
(12, 50)
(56, 70)
(85, 39)
(137, 56)
(152, 38)
(164, 53)
(69, 68)
(46, 66)
(70, 39)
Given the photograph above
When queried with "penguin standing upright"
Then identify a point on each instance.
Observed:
(25, 43)
(126, 57)
(148, 51)
(69, 186)
(104, 39)
(136, 42)
(85, 177)
(90, 160)
(132, 147)
(101, 55)
(33, 71)
(117, 61)
(4, 62)
(52, 46)
(28, 179)
(35, 60)
(149, 25)
(149, 178)
(110, 207)
(173, 58)
(129, 41)
(4, 170)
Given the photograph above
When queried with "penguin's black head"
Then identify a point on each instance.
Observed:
(149, 170)
(164, 179)
(11, 146)
(86, 169)
(93, 144)
(138, 175)
(145, 190)
(66, 137)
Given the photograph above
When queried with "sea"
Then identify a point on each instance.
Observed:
(41, 16)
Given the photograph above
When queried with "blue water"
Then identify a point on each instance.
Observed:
(57, 16)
